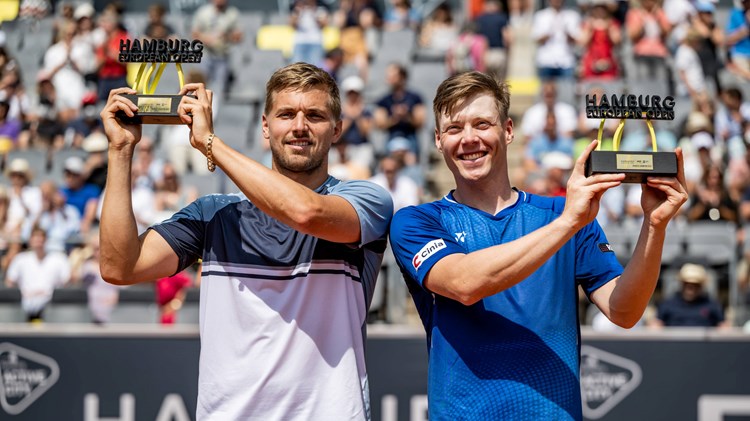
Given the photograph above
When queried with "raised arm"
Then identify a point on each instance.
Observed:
(625, 299)
(328, 217)
(471, 277)
(126, 258)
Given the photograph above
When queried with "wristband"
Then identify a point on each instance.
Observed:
(209, 155)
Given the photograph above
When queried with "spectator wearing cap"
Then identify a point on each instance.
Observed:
(96, 145)
(738, 39)
(400, 149)
(356, 122)
(550, 140)
(405, 192)
(25, 198)
(690, 306)
(711, 39)
(690, 81)
(59, 220)
(78, 193)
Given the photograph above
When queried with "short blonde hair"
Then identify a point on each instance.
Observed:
(303, 76)
(455, 90)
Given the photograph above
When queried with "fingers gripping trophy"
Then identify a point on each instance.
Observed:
(153, 56)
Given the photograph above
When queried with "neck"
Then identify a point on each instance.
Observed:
(487, 197)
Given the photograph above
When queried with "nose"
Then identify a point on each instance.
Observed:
(469, 135)
(299, 125)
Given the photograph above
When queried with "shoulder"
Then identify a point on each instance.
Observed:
(425, 211)
(356, 186)
(554, 204)
(205, 207)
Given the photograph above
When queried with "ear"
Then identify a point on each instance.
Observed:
(266, 131)
(438, 144)
(337, 131)
(508, 131)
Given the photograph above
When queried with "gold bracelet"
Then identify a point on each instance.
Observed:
(209, 154)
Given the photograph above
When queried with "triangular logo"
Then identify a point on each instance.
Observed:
(606, 379)
(24, 376)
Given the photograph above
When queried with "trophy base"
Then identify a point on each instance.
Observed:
(636, 166)
(153, 109)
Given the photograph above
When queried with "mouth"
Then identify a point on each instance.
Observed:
(472, 156)
(299, 143)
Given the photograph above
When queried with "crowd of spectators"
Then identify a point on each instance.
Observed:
(697, 55)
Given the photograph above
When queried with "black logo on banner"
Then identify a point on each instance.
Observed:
(25, 375)
(606, 379)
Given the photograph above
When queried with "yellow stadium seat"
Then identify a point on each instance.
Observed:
(281, 37)
(8, 9)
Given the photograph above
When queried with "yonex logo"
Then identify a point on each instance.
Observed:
(428, 250)
(25, 375)
(461, 236)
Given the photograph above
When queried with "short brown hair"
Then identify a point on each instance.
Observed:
(304, 76)
(456, 89)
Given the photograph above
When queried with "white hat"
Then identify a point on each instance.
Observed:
(558, 160)
(398, 143)
(84, 10)
(95, 142)
(702, 140)
(693, 274)
(74, 164)
(353, 83)
(19, 166)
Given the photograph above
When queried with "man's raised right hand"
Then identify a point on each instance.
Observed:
(121, 135)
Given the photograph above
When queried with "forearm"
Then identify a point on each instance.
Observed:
(119, 244)
(286, 200)
(631, 292)
(471, 277)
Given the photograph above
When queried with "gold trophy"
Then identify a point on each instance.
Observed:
(637, 165)
(153, 55)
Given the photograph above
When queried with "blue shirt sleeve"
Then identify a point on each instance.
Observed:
(596, 262)
(185, 233)
(419, 241)
(373, 205)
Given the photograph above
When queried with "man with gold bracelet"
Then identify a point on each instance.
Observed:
(289, 264)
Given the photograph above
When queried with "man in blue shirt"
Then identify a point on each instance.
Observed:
(738, 38)
(494, 271)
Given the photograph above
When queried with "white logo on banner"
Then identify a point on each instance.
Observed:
(24, 376)
(606, 379)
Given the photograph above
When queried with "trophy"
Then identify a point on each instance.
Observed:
(637, 165)
(153, 56)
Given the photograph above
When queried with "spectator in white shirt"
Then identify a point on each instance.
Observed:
(556, 32)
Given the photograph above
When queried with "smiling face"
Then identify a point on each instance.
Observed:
(474, 140)
(300, 128)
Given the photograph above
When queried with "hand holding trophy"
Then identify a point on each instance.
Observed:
(154, 55)
(637, 165)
